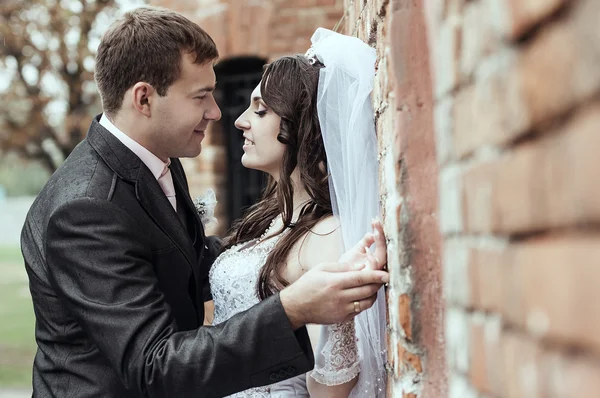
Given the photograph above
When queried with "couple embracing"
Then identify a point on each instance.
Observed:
(132, 299)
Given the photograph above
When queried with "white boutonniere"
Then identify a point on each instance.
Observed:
(205, 205)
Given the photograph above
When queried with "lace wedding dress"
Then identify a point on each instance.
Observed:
(233, 279)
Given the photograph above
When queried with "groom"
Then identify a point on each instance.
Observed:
(116, 255)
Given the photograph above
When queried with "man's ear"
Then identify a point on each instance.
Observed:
(142, 97)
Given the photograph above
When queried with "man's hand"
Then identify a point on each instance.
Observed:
(327, 293)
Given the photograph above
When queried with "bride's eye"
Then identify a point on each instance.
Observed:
(261, 113)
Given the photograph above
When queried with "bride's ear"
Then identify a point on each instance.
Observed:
(142, 97)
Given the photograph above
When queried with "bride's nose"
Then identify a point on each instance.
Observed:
(242, 123)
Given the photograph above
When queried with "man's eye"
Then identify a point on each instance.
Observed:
(201, 97)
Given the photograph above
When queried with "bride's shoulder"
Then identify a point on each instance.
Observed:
(322, 244)
(326, 226)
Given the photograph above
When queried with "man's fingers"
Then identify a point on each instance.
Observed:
(366, 276)
(358, 306)
(360, 293)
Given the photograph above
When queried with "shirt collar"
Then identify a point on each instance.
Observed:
(157, 167)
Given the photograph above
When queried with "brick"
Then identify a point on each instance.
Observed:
(405, 316)
(446, 53)
(457, 280)
(453, 8)
(559, 68)
(409, 361)
(492, 111)
(486, 273)
(451, 200)
(478, 366)
(550, 286)
(522, 15)
(434, 15)
(570, 376)
(545, 183)
(520, 366)
(382, 8)
(514, 91)
(486, 355)
(459, 387)
(457, 340)
(443, 130)
(533, 371)
(479, 38)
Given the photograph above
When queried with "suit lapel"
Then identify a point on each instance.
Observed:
(151, 197)
(181, 186)
(156, 204)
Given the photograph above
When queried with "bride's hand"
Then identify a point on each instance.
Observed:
(360, 254)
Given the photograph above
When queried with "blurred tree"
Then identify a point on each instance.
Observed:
(48, 92)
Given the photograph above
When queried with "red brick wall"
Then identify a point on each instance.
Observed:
(517, 126)
(403, 105)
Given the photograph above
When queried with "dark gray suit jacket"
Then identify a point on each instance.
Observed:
(118, 280)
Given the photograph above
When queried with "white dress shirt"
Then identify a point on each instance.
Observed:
(159, 169)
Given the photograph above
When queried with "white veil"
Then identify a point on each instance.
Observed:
(347, 125)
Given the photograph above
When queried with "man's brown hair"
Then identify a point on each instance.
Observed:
(146, 45)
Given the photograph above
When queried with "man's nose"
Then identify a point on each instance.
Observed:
(214, 113)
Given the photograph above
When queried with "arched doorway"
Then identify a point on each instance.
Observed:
(236, 78)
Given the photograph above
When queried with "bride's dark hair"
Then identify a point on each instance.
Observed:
(289, 88)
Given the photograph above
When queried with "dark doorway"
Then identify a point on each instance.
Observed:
(236, 78)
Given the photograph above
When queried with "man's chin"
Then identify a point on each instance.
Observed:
(192, 153)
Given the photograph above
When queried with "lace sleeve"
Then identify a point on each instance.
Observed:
(336, 361)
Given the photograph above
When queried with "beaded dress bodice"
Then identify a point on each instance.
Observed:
(234, 275)
(233, 279)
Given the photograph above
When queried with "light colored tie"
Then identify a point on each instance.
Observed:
(166, 183)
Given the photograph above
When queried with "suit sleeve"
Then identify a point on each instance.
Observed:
(100, 265)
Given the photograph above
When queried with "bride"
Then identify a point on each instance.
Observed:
(310, 127)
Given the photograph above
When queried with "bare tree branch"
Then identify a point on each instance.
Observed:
(25, 127)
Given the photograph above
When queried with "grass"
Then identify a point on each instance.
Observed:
(11, 255)
(17, 342)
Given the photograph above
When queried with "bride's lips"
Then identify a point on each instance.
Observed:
(247, 143)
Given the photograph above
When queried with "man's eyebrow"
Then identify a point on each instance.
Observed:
(257, 98)
(206, 88)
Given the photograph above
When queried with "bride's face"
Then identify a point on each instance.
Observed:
(260, 126)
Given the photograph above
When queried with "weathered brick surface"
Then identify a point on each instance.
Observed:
(511, 194)
(559, 67)
(517, 119)
(490, 111)
(485, 347)
(544, 299)
(403, 97)
(522, 15)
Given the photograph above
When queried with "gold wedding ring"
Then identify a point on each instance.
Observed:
(356, 307)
